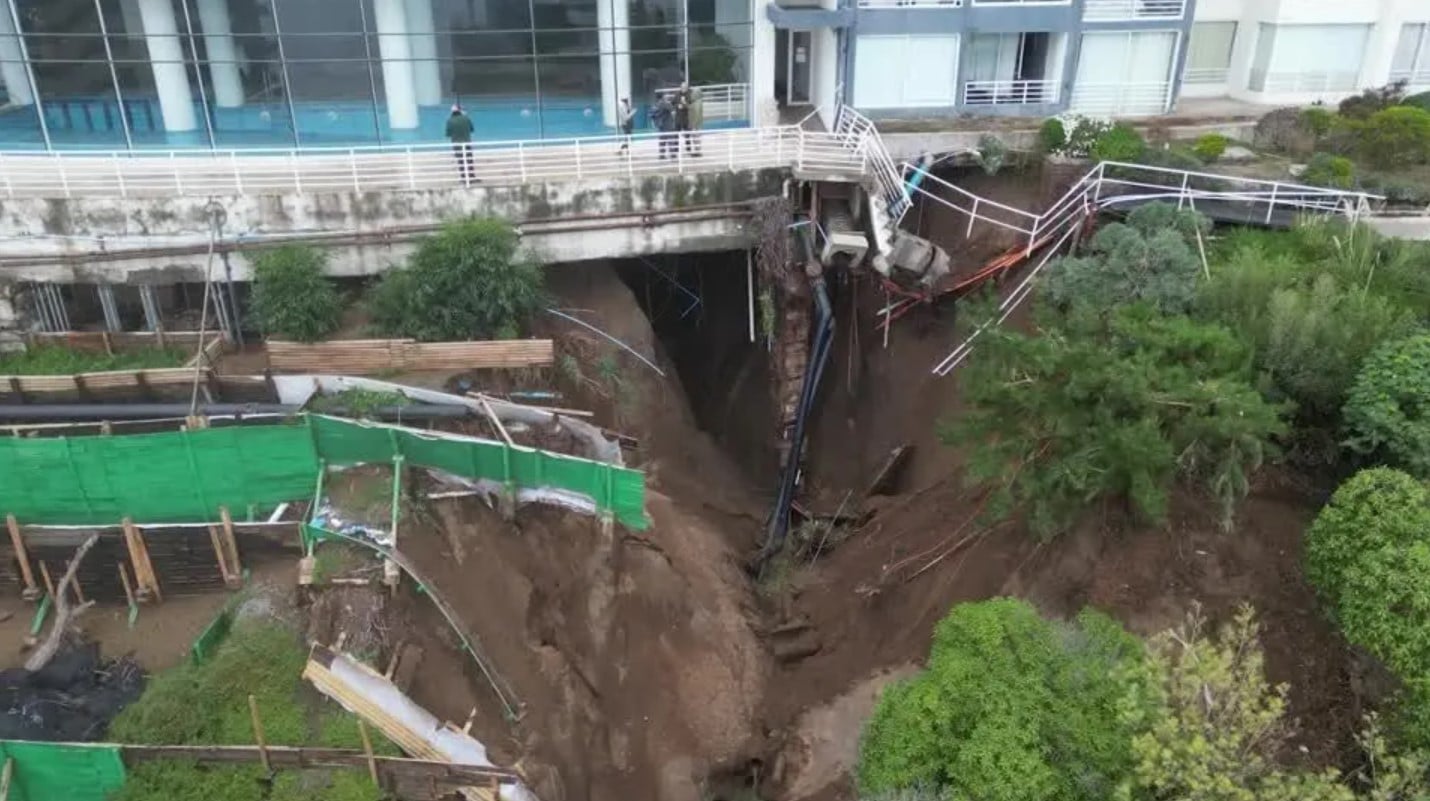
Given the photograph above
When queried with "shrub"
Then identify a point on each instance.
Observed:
(1395, 137)
(1210, 147)
(1402, 192)
(992, 153)
(1148, 259)
(1330, 171)
(1010, 707)
(1084, 135)
(1374, 509)
(292, 297)
(1372, 101)
(1309, 332)
(165, 780)
(466, 282)
(1421, 100)
(1052, 136)
(1319, 120)
(1283, 131)
(1090, 408)
(1388, 409)
(1121, 142)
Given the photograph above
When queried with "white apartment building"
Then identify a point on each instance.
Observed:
(1282, 52)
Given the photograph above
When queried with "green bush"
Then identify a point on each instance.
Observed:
(60, 360)
(1396, 136)
(1210, 147)
(292, 296)
(1284, 131)
(466, 282)
(1388, 409)
(1374, 509)
(992, 154)
(1052, 136)
(1372, 101)
(1121, 142)
(1084, 135)
(1011, 707)
(167, 780)
(1089, 408)
(1151, 258)
(1319, 120)
(1421, 100)
(1330, 171)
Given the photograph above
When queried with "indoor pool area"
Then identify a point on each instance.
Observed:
(82, 123)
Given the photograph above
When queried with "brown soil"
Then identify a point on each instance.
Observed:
(646, 661)
(162, 634)
(362, 494)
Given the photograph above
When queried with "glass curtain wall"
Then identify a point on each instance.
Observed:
(116, 74)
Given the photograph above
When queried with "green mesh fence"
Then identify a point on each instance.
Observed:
(180, 476)
(212, 636)
(55, 771)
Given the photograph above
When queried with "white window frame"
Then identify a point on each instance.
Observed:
(1210, 75)
(948, 102)
(1124, 89)
(1419, 73)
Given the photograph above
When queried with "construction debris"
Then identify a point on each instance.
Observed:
(63, 611)
(372, 697)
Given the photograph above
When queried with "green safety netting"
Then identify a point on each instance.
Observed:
(187, 475)
(53, 771)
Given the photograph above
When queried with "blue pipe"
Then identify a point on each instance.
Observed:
(778, 527)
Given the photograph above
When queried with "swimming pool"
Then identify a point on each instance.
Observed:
(96, 123)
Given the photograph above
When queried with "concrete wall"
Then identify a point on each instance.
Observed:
(82, 240)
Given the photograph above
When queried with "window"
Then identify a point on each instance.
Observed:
(905, 71)
(1412, 56)
(1107, 62)
(1209, 52)
(1308, 58)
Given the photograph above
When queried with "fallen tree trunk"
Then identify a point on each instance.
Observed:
(63, 611)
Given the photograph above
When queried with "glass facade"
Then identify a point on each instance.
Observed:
(119, 74)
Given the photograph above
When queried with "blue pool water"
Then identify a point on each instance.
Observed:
(94, 123)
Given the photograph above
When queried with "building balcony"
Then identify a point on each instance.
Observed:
(883, 4)
(1133, 10)
(1010, 93)
(1302, 82)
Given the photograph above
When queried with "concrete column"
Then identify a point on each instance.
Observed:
(13, 70)
(613, 19)
(398, 85)
(222, 53)
(166, 56)
(426, 70)
(762, 68)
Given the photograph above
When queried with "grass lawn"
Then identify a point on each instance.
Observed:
(58, 360)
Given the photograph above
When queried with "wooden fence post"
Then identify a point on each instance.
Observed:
(23, 557)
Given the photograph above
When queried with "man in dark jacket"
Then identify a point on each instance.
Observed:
(459, 130)
(626, 122)
(663, 115)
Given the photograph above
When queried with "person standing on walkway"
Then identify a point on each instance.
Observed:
(682, 114)
(663, 115)
(459, 130)
(626, 123)
(695, 117)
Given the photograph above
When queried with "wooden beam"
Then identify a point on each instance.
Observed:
(141, 591)
(231, 543)
(219, 555)
(282, 756)
(143, 567)
(49, 585)
(17, 541)
(6, 774)
(128, 588)
(367, 751)
(258, 734)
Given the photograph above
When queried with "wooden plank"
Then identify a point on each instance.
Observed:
(17, 541)
(49, 585)
(258, 733)
(367, 751)
(365, 356)
(231, 544)
(6, 774)
(219, 554)
(302, 756)
(128, 587)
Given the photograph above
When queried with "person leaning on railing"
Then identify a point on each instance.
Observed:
(694, 106)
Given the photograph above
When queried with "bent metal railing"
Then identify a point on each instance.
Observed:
(1110, 184)
(66, 174)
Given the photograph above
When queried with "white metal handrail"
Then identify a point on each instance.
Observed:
(1263, 81)
(996, 93)
(1113, 183)
(721, 101)
(418, 166)
(1123, 99)
(1106, 10)
(911, 3)
(857, 132)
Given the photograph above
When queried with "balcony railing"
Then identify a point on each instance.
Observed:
(1207, 75)
(1009, 93)
(1415, 78)
(722, 101)
(911, 3)
(418, 167)
(1119, 10)
(1122, 99)
(1262, 81)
